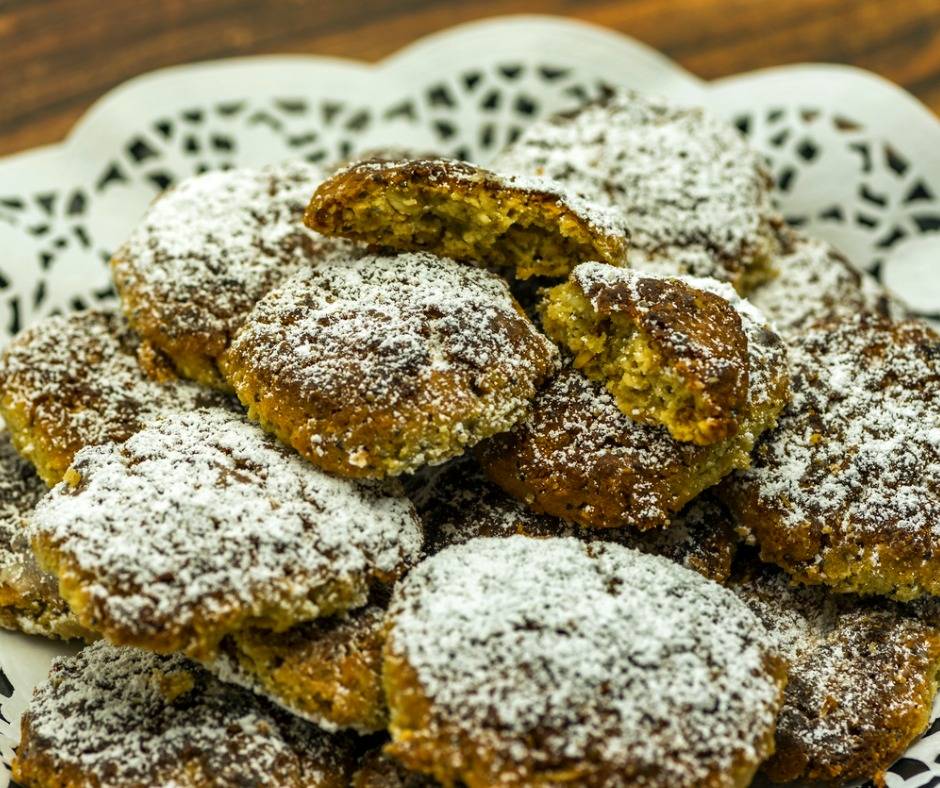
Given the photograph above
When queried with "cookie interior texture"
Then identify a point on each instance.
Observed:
(670, 354)
(516, 225)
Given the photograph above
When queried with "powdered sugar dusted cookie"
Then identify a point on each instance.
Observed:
(671, 350)
(547, 661)
(521, 225)
(29, 599)
(461, 504)
(862, 676)
(123, 717)
(694, 197)
(577, 456)
(83, 380)
(816, 283)
(375, 366)
(328, 671)
(846, 490)
(206, 252)
(202, 525)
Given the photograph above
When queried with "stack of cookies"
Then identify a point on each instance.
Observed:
(581, 470)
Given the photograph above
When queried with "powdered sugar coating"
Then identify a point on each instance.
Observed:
(20, 490)
(375, 349)
(119, 716)
(815, 282)
(861, 675)
(75, 381)
(846, 489)
(557, 654)
(209, 248)
(202, 523)
(694, 196)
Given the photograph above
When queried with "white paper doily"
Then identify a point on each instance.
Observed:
(856, 161)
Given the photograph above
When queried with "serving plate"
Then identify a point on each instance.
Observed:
(856, 161)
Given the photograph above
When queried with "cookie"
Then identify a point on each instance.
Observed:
(207, 251)
(377, 770)
(376, 366)
(671, 350)
(694, 197)
(817, 283)
(202, 525)
(846, 490)
(507, 663)
(577, 456)
(328, 671)
(83, 380)
(123, 717)
(461, 504)
(862, 677)
(29, 600)
(523, 226)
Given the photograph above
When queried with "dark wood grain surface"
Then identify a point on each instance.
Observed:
(58, 56)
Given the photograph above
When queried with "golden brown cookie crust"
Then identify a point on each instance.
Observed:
(844, 492)
(670, 352)
(207, 250)
(327, 671)
(515, 638)
(376, 366)
(523, 226)
(118, 716)
(862, 676)
(77, 381)
(578, 457)
(202, 525)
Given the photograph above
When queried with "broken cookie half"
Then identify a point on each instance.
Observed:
(671, 350)
(529, 226)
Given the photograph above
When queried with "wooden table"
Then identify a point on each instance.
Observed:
(58, 56)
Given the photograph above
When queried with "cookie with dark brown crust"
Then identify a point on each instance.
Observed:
(206, 251)
(815, 282)
(525, 226)
(862, 676)
(29, 599)
(328, 671)
(671, 350)
(577, 456)
(375, 366)
(462, 504)
(123, 717)
(507, 664)
(845, 491)
(695, 198)
(378, 770)
(202, 526)
(83, 380)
